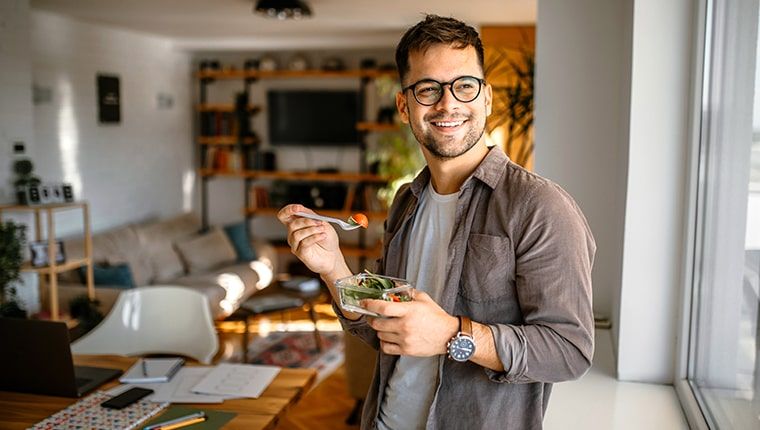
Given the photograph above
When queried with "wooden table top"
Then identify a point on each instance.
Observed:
(21, 411)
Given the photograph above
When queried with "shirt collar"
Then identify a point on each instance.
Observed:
(489, 171)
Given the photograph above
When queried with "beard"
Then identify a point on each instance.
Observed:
(447, 147)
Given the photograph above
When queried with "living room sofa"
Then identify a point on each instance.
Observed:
(172, 252)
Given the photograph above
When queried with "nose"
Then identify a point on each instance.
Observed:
(447, 100)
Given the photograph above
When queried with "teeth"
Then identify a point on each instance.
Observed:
(448, 124)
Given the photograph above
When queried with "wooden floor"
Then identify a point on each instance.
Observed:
(327, 405)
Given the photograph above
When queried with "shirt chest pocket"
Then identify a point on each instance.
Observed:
(488, 269)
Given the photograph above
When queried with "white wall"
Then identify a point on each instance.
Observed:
(654, 240)
(16, 111)
(612, 103)
(582, 82)
(139, 168)
(15, 87)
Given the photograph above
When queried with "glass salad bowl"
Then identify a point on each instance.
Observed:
(353, 289)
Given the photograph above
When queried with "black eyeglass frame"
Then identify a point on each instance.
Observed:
(451, 89)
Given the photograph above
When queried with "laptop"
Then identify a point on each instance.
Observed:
(36, 358)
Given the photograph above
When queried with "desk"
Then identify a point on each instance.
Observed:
(20, 411)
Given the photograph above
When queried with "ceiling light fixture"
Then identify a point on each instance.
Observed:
(282, 9)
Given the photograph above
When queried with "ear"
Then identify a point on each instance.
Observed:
(402, 106)
(489, 99)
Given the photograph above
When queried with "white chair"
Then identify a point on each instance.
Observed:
(155, 320)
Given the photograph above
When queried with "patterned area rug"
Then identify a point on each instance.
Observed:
(297, 349)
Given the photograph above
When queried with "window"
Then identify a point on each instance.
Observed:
(723, 364)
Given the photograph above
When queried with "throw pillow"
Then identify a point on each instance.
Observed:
(206, 251)
(117, 275)
(238, 236)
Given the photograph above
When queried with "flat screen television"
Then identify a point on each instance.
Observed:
(313, 118)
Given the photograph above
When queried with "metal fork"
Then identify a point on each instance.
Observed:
(342, 224)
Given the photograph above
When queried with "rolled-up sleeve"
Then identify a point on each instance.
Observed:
(554, 255)
(358, 328)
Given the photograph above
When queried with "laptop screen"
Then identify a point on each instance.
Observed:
(36, 357)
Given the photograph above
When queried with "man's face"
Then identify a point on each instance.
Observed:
(448, 128)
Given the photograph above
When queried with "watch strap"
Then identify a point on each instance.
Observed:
(465, 325)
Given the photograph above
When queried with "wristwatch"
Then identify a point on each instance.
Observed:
(462, 346)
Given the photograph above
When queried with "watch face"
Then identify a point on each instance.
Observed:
(461, 348)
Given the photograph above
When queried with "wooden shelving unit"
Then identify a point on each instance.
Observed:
(49, 274)
(291, 74)
(358, 184)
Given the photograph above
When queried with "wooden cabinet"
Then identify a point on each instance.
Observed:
(49, 274)
(243, 146)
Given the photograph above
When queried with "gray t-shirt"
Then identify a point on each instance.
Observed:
(411, 388)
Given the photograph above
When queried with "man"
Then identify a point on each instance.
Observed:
(501, 259)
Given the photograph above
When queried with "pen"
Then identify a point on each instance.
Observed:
(179, 422)
(144, 367)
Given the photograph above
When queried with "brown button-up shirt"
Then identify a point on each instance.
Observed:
(520, 262)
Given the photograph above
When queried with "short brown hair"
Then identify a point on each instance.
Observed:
(435, 30)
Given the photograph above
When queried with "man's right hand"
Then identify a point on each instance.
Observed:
(313, 242)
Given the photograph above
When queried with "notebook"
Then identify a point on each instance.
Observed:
(41, 361)
(147, 370)
(88, 414)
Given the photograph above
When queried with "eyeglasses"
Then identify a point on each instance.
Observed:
(428, 92)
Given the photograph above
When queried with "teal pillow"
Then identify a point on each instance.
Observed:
(117, 275)
(238, 235)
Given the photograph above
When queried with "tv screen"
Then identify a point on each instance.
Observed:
(303, 117)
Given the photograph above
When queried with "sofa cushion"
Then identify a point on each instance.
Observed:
(157, 243)
(206, 251)
(238, 235)
(121, 245)
(117, 275)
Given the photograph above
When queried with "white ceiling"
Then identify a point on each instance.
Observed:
(230, 24)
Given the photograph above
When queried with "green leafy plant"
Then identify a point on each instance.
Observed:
(12, 238)
(513, 104)
(396, 153)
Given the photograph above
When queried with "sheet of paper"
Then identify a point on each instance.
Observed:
(243, 380)
(178, 389)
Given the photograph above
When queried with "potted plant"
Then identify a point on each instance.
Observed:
(396, 155)
(12, 238)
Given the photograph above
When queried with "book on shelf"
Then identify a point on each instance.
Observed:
(223, 158)
(147, 370)
(258, 198)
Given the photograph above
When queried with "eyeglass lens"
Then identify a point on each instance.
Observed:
(465, 89)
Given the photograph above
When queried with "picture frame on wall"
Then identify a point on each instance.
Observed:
(109, 99)
(39, 253)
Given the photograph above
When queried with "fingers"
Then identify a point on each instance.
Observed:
(306, 236)
(286, 214)
(390, 348)
(387, 309)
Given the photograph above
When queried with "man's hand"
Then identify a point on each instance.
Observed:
(418, 328)
(313, 242)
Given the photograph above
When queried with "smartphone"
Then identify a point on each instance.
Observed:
(126, 398)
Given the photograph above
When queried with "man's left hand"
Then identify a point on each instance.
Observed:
(418, 328)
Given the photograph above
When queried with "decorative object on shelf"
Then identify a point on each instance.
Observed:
(39, 253)
(109, 99)
(45, 194)
(282, 9)
(12, 238)
(368, 64)
(386, 115)
(298, 62)
(333, 64)
(209, 65)
(25, 178)
(268, 63)
(251, 64)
